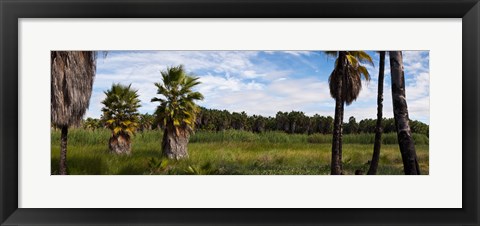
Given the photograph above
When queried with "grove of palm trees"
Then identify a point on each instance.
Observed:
(240, 113)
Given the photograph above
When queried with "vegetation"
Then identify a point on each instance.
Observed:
(400, 113)
(72, 74)
(294, 122)
(120, 114)
(177, 111)
(378, 128)
(345, 85)
(231, 152)
(229, 143)
(146, 122)
(207, 120)
(92, 124)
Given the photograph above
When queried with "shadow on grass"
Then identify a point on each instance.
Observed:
(147, 154)
(381, 170)
(132, 170)
(79, 165)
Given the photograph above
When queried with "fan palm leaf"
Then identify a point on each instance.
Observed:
(177, 109)
(351, 78)
(120, 113)
(72, 80)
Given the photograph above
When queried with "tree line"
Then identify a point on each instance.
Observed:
(293, 122)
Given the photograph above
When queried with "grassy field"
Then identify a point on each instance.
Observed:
(231, 153)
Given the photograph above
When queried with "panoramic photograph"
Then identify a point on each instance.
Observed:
(262, 112)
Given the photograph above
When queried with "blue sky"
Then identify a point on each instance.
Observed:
(261, 82)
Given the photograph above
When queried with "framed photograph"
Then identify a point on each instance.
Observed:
(262, 109)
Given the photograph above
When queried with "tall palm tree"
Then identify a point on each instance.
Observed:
(378, 129)
(121, 116)
(400, 113)
(345, 85)
(72, 74)
(177, 110)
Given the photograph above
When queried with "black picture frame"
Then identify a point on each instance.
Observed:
(11, 11)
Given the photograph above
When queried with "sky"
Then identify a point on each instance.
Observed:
(262, 82)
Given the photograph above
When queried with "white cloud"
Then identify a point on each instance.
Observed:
(252, 74)
(94, 109)
(421, 108)
(299, 53)
(264, 99)
(410, 57)
(419, 87)
(291, 52)
(415, 62)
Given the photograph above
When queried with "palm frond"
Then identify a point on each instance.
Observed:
(347, 74)
(72, 74)
(362, 56)
(178, 105)
(331, 53)
(363, 70)
(121, 109)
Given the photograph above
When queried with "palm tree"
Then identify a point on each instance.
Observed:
(239, 120)
(72, 74)
(345, 85)
(146, 121)
(177, 110)
(378, 129)
(91, 123)
(400, 113)
(121, 116)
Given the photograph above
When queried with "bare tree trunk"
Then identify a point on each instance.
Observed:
(400, 112)
(63, 151)
(336, 142)
(336, 164)
(120, 144)
(174, 144)
(378, 130)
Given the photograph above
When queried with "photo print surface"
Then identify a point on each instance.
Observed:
(240, 112)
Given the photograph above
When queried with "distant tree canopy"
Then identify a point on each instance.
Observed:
(288, 122)
(293, 122)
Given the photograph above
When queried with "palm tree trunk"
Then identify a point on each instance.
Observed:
(400, 113)
(378, 130)
(336, 164)
(120, 144)
(340, 137)
(174, 144)
(336, 141)
(63, 151)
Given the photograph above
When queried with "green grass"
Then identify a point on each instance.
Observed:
(231, 153)
(363, 138)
